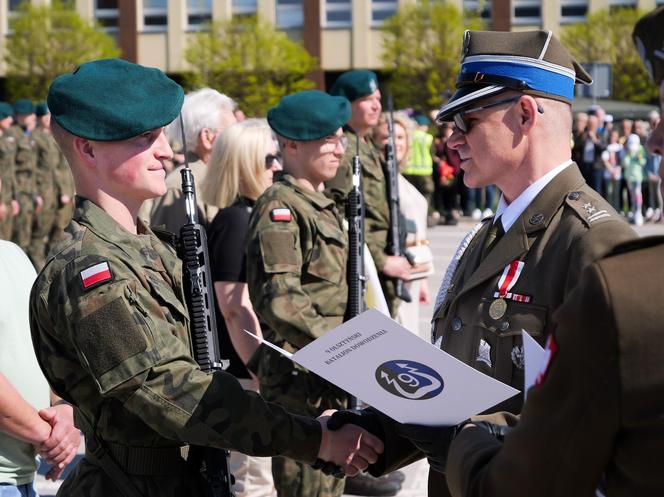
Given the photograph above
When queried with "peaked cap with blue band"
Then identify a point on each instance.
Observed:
(113, 100)
(532, 62)
(648, 37)
(309, 115)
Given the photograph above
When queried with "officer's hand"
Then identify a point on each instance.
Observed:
(61, 447)
(498, 431)
(364, 418)
(350, 447)
(397, 266)
(433, 441)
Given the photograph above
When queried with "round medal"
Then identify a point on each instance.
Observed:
(497, 308)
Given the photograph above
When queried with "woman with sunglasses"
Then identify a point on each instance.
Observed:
(242, 165)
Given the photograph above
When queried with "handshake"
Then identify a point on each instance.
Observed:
(353, 440)
(57, 439)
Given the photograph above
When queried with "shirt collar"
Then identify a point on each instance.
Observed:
(316, 198)
(509, 213)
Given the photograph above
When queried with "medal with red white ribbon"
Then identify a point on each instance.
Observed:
(507, 280)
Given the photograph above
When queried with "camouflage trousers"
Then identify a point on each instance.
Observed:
(304, 393)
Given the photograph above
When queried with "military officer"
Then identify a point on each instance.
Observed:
(595, 414)
(31, 203)
(8, 205)
(512, 111)
(48, 160)
(361, 88)
(297, 281)
(108, 318)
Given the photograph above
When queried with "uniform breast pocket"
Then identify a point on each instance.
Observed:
(329, 255)
(174, 312)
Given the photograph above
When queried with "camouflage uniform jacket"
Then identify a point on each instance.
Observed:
(374, 187)
(7, 157)
(298, 252)
(25, 163)
(110, 332)
(48, 159)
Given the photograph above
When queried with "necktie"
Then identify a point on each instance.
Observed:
(495, 233)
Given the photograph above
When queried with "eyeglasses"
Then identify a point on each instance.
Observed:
(464, 126)
(270, 159)
(330, 143)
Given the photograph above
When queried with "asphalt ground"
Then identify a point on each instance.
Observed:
(444, 241)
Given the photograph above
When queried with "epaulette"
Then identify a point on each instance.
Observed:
(165, 236)
(588, 208)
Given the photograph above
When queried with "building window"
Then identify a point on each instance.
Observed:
(527, 12)
(106, 14)
(573, 11)
(338, 14)
(474, 6)
(245, 7)
(199, 12)
(381, 10)
(155, 15)
(621, 4)
(290, 14)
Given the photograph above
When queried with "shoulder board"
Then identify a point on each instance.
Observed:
(165, 236)
(96, 275)
(591, 210)
(282, 215)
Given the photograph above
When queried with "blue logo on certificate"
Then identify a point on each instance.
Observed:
(409, 379)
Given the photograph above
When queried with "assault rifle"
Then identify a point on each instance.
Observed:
(199, 293)
(396, 239)
(356, 278)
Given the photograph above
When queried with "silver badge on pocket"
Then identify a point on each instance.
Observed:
(484, 352)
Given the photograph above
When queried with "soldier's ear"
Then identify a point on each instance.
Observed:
(85, 150)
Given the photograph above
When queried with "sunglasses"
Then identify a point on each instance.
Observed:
(461, 122)
(270, 159)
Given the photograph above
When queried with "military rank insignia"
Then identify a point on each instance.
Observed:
(281, 215)
(96, 275)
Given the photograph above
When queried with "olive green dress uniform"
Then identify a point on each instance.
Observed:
(597, 414)
(7, 176)
(136, 382)
(48, 159)
(25, 186)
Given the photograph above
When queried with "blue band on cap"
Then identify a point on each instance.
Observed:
(536, 78)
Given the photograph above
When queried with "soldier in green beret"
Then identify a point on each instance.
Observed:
(108, 317)
(31, 203)
(297, 281)
(9, 206)
(361, 88)
(513, 117)
(46, 183)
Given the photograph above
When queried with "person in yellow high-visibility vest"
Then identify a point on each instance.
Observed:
(419, 170)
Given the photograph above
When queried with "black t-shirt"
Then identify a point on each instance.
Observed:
(227, 238)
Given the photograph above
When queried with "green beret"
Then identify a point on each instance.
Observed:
(41, 109)
(113, 100)
(308, 115)
(6, 110)
(355, 84)
(24, 106)
(648, 37)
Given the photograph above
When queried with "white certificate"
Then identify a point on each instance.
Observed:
(533, 357)
(377, 360)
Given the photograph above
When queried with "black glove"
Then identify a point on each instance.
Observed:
(365, 418)
(498, 431)
(329, 468)
(433, 441)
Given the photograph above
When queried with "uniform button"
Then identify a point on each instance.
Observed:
(504, 325)
(456, 324)
(574, 196)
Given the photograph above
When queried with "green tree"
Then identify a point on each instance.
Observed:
(607, 37)
(47, 41)
(250, 61)
(422, 43)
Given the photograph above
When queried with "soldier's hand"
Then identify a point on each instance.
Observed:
(65, 199)
(3, 212)
(350, 447)
(432, 441)
(61, 447)
(397, 266)
(16, 208)
(39, 204)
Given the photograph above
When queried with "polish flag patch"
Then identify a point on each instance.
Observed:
(281, 215)
(96, 275)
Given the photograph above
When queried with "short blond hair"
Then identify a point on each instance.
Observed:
(237, 163)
